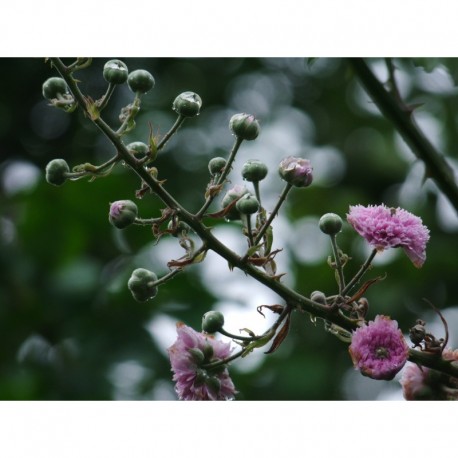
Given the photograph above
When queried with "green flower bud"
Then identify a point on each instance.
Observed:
(231, 195)
(319, 297)
(140, 81)
(212, 322)
(197, 355)
(216, 165)
(254, 170)
(141, 284)
(55, 172)
(54, 86)
(247, 205)
(330, 223)
(139, 149)
(213, 384)
(244, 126)
(115, 71)
(296, 171)
(187, 104)
(208, 352)
(122, 213)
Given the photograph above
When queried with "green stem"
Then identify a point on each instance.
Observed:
(106, 97)
(224, 173)
(247, 219)
(130, 117)
(433, 361)
(266, 225)
(437, 167)
(173, 129)
(360, 273)
(335, 250)
(233, 336)
(223, 361)
(257, 192)
(167, 277)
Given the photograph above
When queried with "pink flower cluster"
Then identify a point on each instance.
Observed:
(191, 358)
(385, 227)
(379, 349)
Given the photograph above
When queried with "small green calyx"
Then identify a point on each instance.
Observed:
(56, 171)
(187, 104)
(115, 71)
(53, 87)
(138, 149)
(233, 194)
(122, 213)
(216, 165)
(318, 296)
(141, 285)
(140, 81)
(212, 322)
(254, 170)
(330, 224)
(247, 205)
(244, 126)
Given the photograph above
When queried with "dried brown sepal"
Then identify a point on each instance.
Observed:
(263, 260)
(213, 190)
(364, 288)
(276, 308)
(281, 336)
(222, 213)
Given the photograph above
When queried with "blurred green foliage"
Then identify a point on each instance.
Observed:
(68, 325)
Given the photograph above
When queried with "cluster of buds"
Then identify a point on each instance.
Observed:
(199, 361)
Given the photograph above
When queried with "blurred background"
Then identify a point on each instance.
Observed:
(69, 327)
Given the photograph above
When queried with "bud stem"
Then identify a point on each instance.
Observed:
(169, 134)
(266, 225)
(222, 177)
(360, 273)
(106, 97)
(256, 191)
(242, 338)
(247, 220)
(335, 251)
(166, 277)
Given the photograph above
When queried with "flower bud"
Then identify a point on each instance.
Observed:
(122, 213)
(212, 322)
(54, 86)
(140, 81)
(187, 104)
(244, 126)
(254, 170)
(197, 355)
(233, 194)
(216, 165)
(318, 296)
(330, 224)
(139, 149)
(55, 172)
(115, 71)
(213, 385)
(296, 171)
(141, 284)
(247, 205)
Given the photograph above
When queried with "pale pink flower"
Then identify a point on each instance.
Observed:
(296, 171)
(422, 383)
(379, 349)
(385, 227)
(189, 356)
